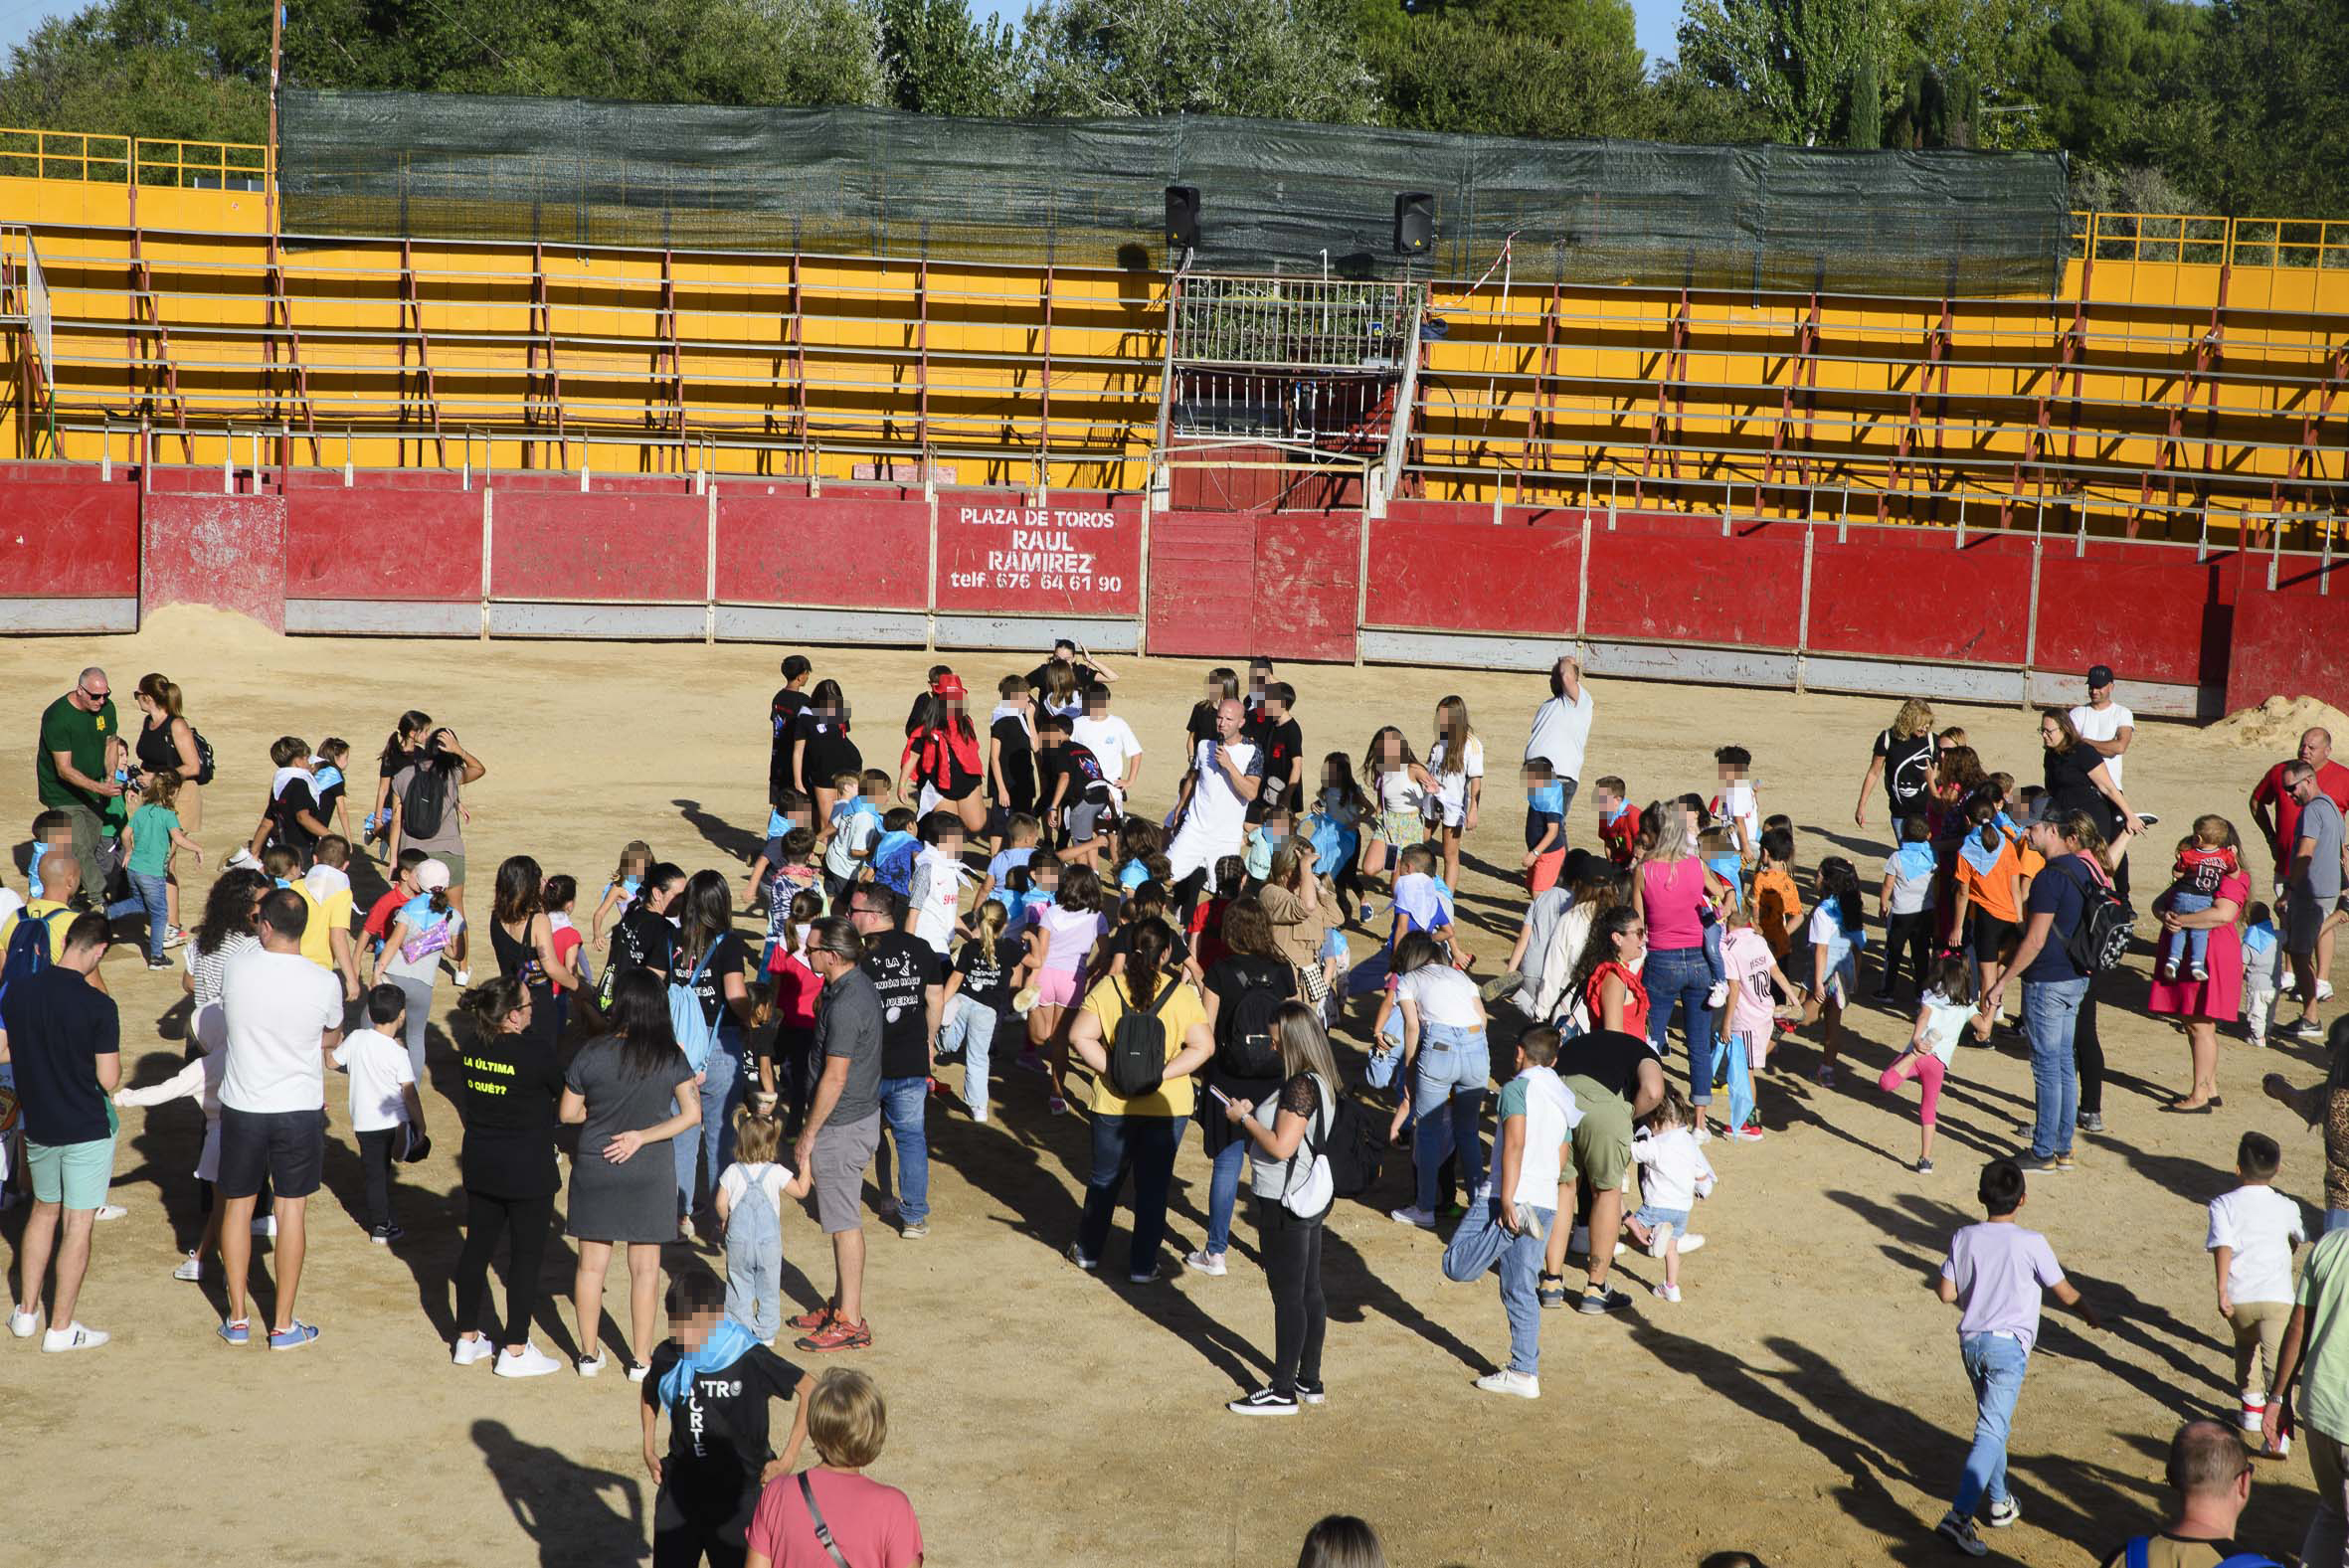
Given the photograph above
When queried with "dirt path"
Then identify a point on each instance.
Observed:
(1805, 1401)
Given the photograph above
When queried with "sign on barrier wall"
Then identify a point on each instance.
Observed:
(1072, 557)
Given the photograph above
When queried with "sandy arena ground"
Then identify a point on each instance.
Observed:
(1806, 1401)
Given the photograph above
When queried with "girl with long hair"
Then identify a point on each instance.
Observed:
(711, 958)
(1456, 759)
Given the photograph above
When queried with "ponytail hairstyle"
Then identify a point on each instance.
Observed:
(1146, 958)
(413, 724)
(990, 919)
(807, 909)
(560, 892)
(758, 1134)
(1839, 883)
(489, 1003)
(1953, 977)
(522, 890)
(162, 693)
(639, 1017)
(1415, 952)
(162, 788)
(1982, 821)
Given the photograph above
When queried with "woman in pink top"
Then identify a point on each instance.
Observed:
(1673, 891)
(2205, 1004)
(830, 1513)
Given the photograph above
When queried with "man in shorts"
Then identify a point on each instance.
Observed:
(1615, 1079)
(843, 1128)
(283, 1018)
(2311, 886)
(64, 1040)
(1211, 808)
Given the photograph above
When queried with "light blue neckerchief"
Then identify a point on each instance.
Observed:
(1982, 860)
(726, 1345)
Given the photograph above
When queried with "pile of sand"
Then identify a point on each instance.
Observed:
(2277, 724)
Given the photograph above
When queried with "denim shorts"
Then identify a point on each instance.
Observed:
(1649, 1217)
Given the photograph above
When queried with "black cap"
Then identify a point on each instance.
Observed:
(2100, 676)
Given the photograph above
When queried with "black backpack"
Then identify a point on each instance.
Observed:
(424, 803)
(1244, 1046)
(203, 757)
(1138, 1048)
(1355, 1148)
(2102, 939)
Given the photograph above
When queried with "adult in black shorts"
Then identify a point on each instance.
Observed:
(283, 1014)
(716, 1382)
(943, 761)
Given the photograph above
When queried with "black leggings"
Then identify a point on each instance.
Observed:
(1293, 1267)
(1915, 934)
(2088, 1056)
(486, 1217)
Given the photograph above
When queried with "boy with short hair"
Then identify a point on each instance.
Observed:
(1777, 902)
(2253, 1230)
(1736, 807)
(1263, 840)
(935, 888)
(1007, 871)
(1069, 776)
(51, 830)
(1422, 902)
(2263, 970)
(1508, 1219)
(1618, 819)
(1546, 825)
(385, 1113)
(291, 817)
(855, 823)
(891, 863)
(1994, 1274)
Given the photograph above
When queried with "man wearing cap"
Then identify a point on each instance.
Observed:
(2108, 728)
(70, 765)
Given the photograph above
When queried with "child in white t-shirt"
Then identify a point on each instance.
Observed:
(2253, 1230)
(1674, 1174)
(386, 1114)
(934, 908)
(1941, 1016)
(749, 1205)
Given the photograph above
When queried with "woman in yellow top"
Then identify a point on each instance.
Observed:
(1139, 1134)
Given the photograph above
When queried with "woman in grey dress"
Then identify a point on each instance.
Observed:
(624, 1091)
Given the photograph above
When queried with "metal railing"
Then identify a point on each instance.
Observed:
(99, 159)
(2210, 240)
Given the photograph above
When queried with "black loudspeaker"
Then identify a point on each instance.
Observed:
(1182, 217)
(1414, 223)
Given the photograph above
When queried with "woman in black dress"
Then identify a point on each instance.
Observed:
(822, 751)
(507, 1162)
(630, 1088)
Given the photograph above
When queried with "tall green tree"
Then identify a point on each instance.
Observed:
(1272, 59)
(1864, 119)
(1794, 58)
(1514, 67)
(937, 58)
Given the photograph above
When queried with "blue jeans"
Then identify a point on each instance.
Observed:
(155, 895)
(1681, 974)
(1223, 1193)
(1995, 1365)
(969, 1028)
(713, 1142)
(2051, 1012)
(905, 1104)
(1448, 1080)
(1481, 1244)
(1143, 1146)
(2186, 949)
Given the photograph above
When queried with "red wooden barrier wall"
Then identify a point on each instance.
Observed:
(67, 540)
(1280, 584)
(377, 544)
(1676, 579)
(779, 546)
(1454, 570)
(609, 549)
(1886, 594)
(223, 550)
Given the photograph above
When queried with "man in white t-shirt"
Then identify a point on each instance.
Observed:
(2108, 728)
(1562, 727)
(1211, 811)
(1110, 739)
(1508, 1223)
(283, 1018)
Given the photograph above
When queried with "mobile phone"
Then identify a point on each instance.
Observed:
(1220, 1094)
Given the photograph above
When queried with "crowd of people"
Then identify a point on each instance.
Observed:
(991, 901)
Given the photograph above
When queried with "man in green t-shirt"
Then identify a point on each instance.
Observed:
(2316, 1354)
(70, 765)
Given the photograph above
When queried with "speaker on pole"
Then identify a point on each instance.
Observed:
(1414, 223)
(1182, 217)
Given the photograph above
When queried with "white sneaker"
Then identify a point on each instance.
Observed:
(242, 858)
(1690, 1244)
(1660, 1240)
(2324, 990)
(191, 1268)
(1525, 1385)
(980, 1118)
(266, 1225)
(638, 1372)
(23, 1320)
(1207, 1263)
(470, 1350)
(591, 1365)
(1670, 1293)
(531, 1362)
(1414, 1216)
(1718, 994)
(110, 1211)
(72, 1337)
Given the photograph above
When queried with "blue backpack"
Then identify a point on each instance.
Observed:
(696, 1036)
(29, 947)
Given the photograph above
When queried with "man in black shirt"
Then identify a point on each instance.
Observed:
(716, 1383)
(910, 976)
(784, 713)
(1279, 746)
(64, 1038)
(1615, 1079)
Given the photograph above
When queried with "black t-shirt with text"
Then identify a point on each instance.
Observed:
(903, 967)
(718, 1433)
(1077, 763)
(643, 941)
(987, 967)
(1908, 770)
(727, 955)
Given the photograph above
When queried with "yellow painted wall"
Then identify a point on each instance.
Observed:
(784, 364)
